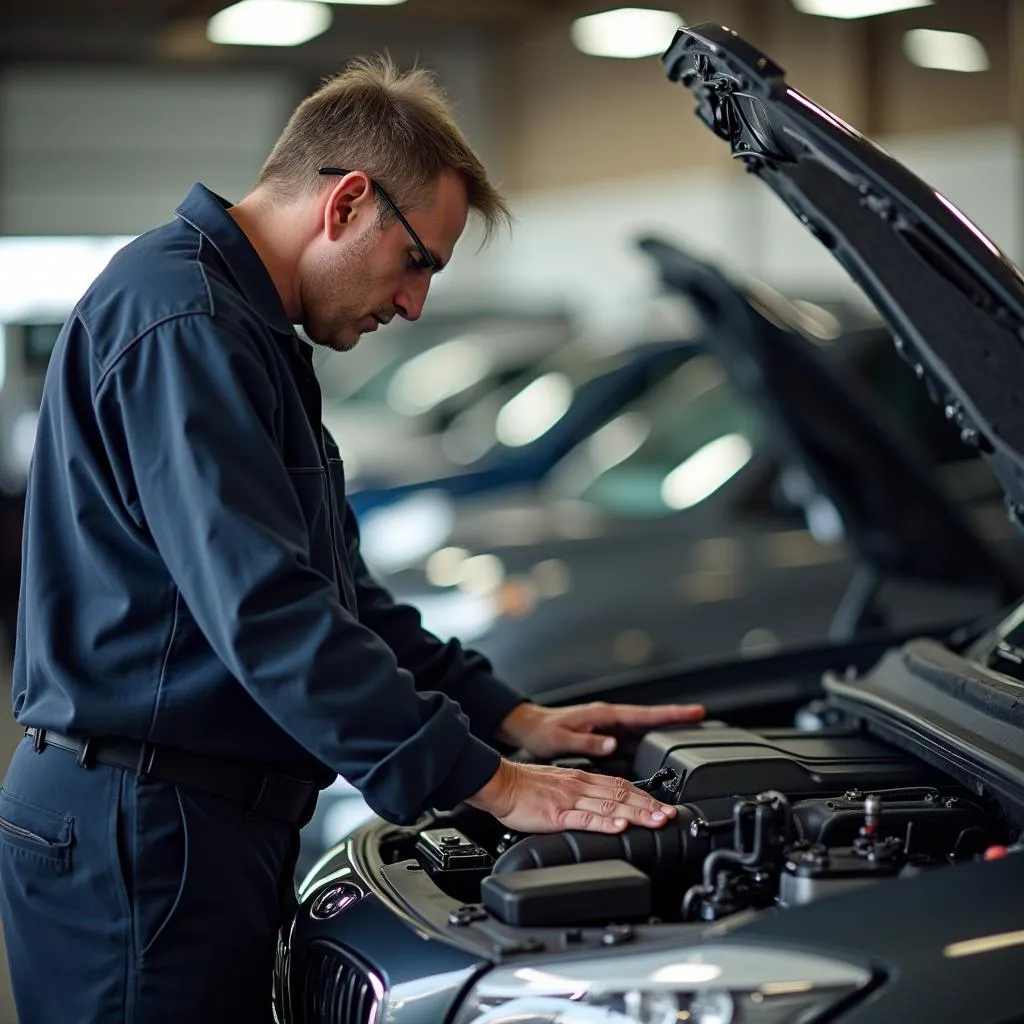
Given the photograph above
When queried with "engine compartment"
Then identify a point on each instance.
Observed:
(774, 817)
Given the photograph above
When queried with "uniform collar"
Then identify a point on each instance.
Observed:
(208, 213)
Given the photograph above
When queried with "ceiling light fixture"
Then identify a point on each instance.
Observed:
(945, 51)
(366, 3)
(626, 32)
(269, 23)
(856, 8)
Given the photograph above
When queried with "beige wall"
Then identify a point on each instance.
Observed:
(568, 119)
(912, 99)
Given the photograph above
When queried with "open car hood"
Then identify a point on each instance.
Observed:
(954, 302)
(894, 512)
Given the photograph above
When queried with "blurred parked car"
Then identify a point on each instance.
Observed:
(24, 354)
(387, 401)
(771, 491)
(863, 867)
(517, 433)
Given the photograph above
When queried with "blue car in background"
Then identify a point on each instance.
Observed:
(388, 401)
(516, 434)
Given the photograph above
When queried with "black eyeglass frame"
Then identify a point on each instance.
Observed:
(428, 259)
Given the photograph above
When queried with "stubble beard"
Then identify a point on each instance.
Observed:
(333, 282)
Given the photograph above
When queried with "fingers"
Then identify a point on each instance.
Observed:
(590, 743)
(587, 821)
(548, 799)
(605, 803)
(626, 795)
(633, 814)
(635, 716)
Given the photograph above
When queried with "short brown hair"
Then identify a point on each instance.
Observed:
(396, 126)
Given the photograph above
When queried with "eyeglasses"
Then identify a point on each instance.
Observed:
(429, 263)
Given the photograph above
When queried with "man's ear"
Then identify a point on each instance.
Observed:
(349, 200)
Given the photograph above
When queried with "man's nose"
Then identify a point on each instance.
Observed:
(409, 302)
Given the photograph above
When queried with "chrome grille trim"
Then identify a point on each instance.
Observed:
(331, 985)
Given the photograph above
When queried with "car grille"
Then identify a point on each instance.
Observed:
(282, 979)
(329, 986)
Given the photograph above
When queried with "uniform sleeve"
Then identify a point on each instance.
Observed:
(190, 413)
(464, 675)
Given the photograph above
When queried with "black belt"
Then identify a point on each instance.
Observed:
(263, 793)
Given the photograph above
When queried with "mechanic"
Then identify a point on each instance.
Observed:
(200, 645)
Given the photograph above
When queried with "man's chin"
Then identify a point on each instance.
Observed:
(338, 342)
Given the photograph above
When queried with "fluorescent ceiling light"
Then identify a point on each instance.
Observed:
(366, 3)
(626, 32)
(268, 23)
(945, 51)
(856, 8)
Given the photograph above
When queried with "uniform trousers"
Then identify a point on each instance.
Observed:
(131, 900)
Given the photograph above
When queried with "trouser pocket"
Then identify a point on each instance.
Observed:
(29, 830)
(153, 837)
(66, 930)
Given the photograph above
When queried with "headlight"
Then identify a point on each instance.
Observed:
(699, 985)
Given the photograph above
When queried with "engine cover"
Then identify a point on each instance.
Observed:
(714, 761)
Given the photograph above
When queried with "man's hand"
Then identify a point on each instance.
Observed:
(546, 732)
(535, 798)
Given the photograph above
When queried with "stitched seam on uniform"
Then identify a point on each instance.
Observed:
(181, 884)
(105, 373)
(163, 665)
(127, 1003)
(276, 328)
(80, 317)
(202, 270)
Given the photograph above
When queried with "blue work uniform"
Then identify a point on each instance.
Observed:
(192, 579)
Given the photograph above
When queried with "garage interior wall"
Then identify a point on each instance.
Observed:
(113, 151)
(602, 150)
(592, 151)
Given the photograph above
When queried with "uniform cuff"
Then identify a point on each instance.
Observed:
(487, 705)
(474, 768)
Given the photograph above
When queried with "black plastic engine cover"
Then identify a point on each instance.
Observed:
(714, 760)
(570, 894)
(935, 823)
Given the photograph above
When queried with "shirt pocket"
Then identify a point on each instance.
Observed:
(32, 831)
(326, 543)
(310, 486)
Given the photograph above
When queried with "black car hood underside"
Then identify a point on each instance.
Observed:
(954, 302)
(894, 511)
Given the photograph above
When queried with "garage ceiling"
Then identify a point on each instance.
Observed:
(143, 31)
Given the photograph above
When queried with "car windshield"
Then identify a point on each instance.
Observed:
(669, 450)
(689, 435)
(420, 367)
(526, 409)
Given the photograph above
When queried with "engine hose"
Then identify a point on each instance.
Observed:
(673, 848)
